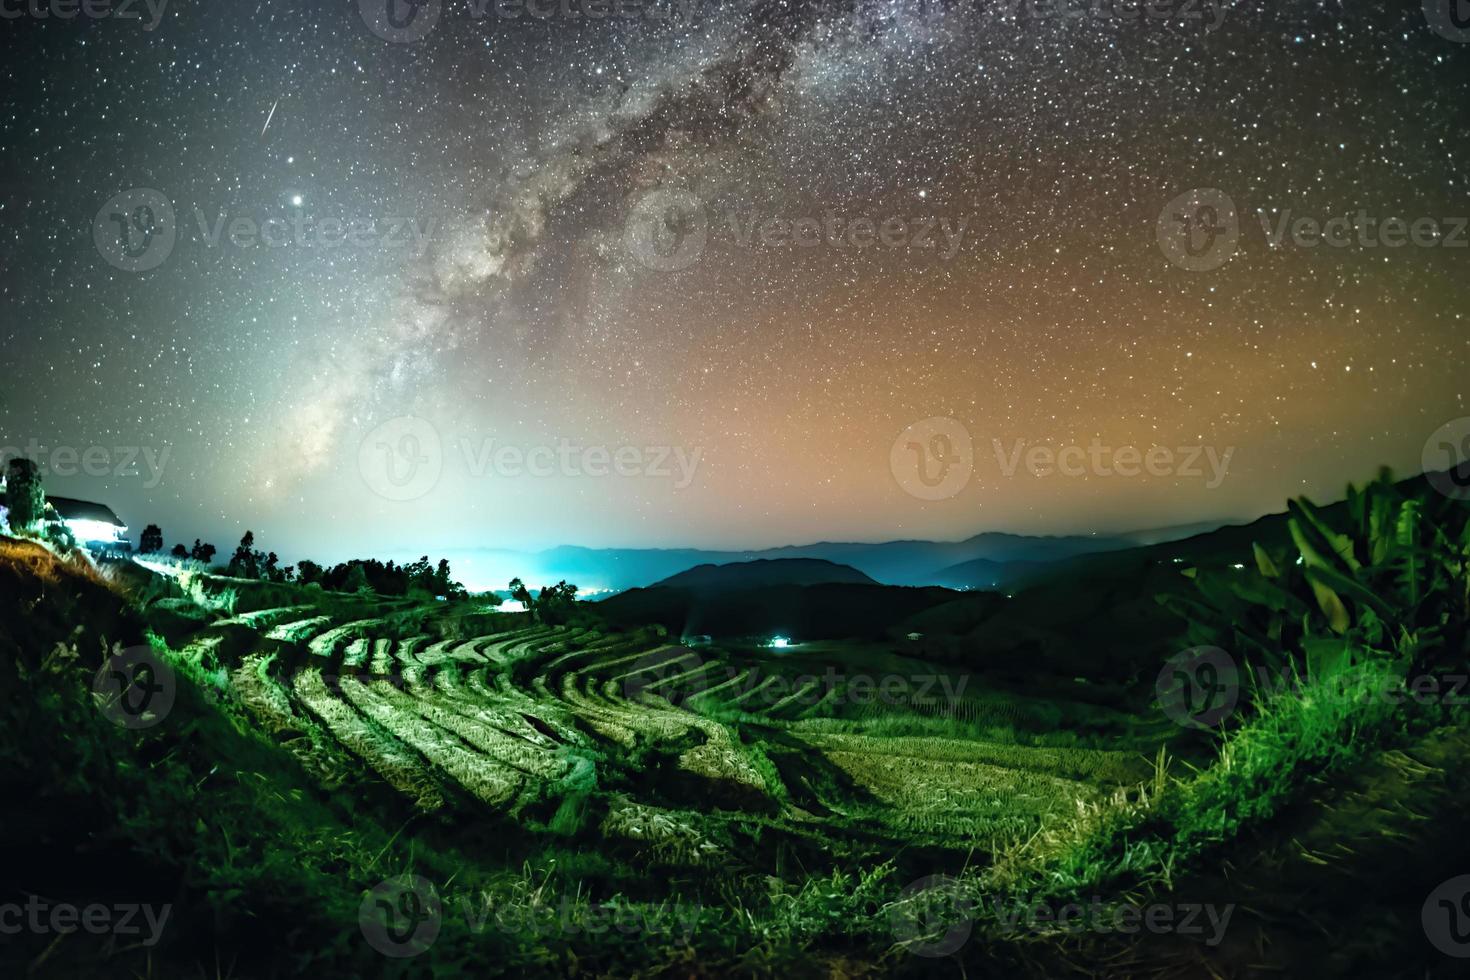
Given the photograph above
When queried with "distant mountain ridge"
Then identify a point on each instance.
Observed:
(909, 562)
(765, 572)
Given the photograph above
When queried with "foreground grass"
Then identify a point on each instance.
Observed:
(274, 870)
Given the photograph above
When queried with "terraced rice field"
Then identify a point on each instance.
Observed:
(530, 716)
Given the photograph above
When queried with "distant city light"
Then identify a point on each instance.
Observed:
(780, 642)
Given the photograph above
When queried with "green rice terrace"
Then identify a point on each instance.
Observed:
(347, 782)
(525, 721)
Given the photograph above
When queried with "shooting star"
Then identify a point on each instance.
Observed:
(268, 119)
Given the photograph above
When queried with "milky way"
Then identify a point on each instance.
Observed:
(661, 235)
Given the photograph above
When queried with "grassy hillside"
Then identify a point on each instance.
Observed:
(351, 785)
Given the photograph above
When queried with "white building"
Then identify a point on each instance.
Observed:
(95, 526)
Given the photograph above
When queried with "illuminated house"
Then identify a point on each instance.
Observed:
(93, 525)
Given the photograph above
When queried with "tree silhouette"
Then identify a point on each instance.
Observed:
(24, 497)
(521, 594)
(557, 603)
(356, 580)
(245, 561)
(151, 540)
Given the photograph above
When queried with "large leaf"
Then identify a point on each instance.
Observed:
(1264, 564)
(1352, 588)
(1319, 544)
(1381, 530)
(1195, 611)
(1411, 565)
(1263, 592)
(1222, 590)
(1332, 607)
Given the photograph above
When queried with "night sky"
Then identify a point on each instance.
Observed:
(578, 279)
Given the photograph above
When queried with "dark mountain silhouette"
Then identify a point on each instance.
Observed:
(1095, 616)
(986, 575)
(915, 563)
(804, 612)
(762, 573)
